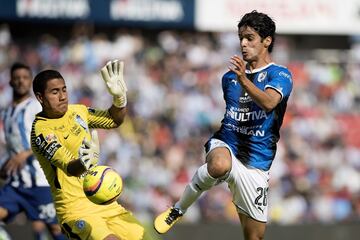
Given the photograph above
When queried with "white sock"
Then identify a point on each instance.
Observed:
(200, 182)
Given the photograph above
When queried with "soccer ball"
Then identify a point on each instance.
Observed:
(102, 185)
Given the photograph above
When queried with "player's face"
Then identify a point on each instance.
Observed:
(55, 98)
(252, 46)
(21, 82)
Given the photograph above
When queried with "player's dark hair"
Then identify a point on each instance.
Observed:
(18, 65)
(261, 23)
(41, 79)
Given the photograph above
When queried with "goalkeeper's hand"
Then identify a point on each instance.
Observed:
(89, 151)
(113, 75)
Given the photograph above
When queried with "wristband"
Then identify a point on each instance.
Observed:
(120, 102)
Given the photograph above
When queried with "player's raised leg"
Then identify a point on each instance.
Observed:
(218, 164)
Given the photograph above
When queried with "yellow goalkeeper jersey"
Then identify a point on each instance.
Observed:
(56, 142)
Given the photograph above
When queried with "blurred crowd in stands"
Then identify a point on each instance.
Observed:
(175, 103)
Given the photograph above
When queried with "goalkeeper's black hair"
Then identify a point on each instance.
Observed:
(41, 79)
(18, 65)
(261, 23)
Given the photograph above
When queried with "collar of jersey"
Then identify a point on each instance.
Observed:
(38, 116)
(24, 102)
(247, 71)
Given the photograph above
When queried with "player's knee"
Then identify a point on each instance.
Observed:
(55, 229)
(219, 165)
(202, 180)
(38, 226)
(3, 213)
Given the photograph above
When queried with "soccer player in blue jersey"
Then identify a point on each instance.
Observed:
(26, 188)
(256, 92)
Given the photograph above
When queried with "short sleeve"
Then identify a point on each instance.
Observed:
(225, 80)
(281, 81)
(31, 110)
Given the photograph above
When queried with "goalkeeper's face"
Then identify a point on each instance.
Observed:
(54, 100)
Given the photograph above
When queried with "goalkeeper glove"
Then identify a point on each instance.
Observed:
(113, 75)
(89, 151)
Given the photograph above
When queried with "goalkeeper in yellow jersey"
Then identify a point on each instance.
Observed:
(66, 148)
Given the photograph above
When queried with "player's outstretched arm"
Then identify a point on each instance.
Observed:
(113, 76)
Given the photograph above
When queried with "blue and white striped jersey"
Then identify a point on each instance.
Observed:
(17, 121)
(251, 132)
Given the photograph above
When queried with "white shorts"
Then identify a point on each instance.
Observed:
(249, 186)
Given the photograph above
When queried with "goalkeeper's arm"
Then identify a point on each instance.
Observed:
(113, 76)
